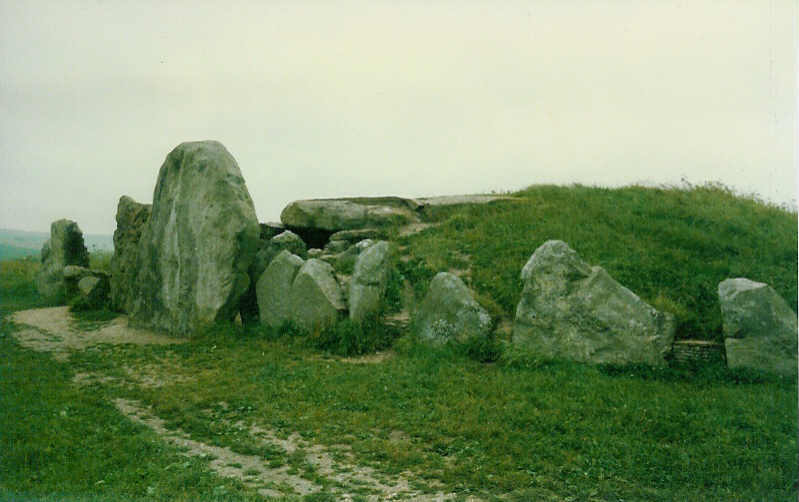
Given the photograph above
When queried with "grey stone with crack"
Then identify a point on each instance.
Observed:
(760, 329)
(571, 310)
(197, 246)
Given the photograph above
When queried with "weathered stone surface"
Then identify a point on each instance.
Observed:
(369, 279)
(273, 287)
(353, 236)
(333, 215)
(94, 290)
(72, 276)
(760, 329)
(334, 247)
(76, 272)
(196, 248)
(286, 240)
(570, 310)
(65, 247)
(131, 218)
(344, 261)
(449, 311)
(316, 296)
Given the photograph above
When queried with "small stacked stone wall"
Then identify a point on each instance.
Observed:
(698, 351)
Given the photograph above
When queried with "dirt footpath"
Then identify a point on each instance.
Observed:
(54, 330)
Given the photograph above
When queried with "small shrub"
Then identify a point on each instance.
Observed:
(483, 349)
(349, 338)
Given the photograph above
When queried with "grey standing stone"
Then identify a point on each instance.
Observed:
(131, 218)
(316, 297)
(760, 329)
(65, 247)
(369, 280)
(196, 248)
(273, 289)
(570, 310)
(449, 311)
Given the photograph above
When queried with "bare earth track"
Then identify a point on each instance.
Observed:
(53, 330)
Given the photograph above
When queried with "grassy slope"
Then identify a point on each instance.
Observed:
(671, 247)
(521, 429)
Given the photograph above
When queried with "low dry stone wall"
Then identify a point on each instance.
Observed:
(697, 352)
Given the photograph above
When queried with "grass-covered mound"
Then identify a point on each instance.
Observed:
(671, 246)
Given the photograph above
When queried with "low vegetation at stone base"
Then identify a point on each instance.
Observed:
(670, 246)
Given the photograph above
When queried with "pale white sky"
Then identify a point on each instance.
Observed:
(411, 98)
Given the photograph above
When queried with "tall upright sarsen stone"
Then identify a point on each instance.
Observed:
(65, 247)
(131, 219)
(196, 247)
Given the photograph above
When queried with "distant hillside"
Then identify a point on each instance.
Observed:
(34, 240)
(12, 252)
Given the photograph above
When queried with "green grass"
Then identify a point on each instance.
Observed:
(480, 419)
(672, 247)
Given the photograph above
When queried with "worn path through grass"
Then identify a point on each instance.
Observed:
(277, 467)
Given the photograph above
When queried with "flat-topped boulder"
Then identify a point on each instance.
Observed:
(760, 329)
(64, 247)
(571, 310)
(334, 215)
(131, 218)
(197, 246)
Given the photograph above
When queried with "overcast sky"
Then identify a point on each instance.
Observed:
(334, 98)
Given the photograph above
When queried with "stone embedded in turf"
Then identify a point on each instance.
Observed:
(197, 246)
(570, 310)
(760, 329)
(273, 289)
(369, 280)
(131, 218)
(449, 312)
(65, 247)
(316, 297)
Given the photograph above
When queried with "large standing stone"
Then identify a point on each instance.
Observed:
(760, 329)
(197, 246)
(570, 310)
(131, 218)
(449, 311)
(65, 247)
(333, 215)
(316, 297)
(273, 287)
(369, 280)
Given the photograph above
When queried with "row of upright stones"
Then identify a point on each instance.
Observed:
(198, 255)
